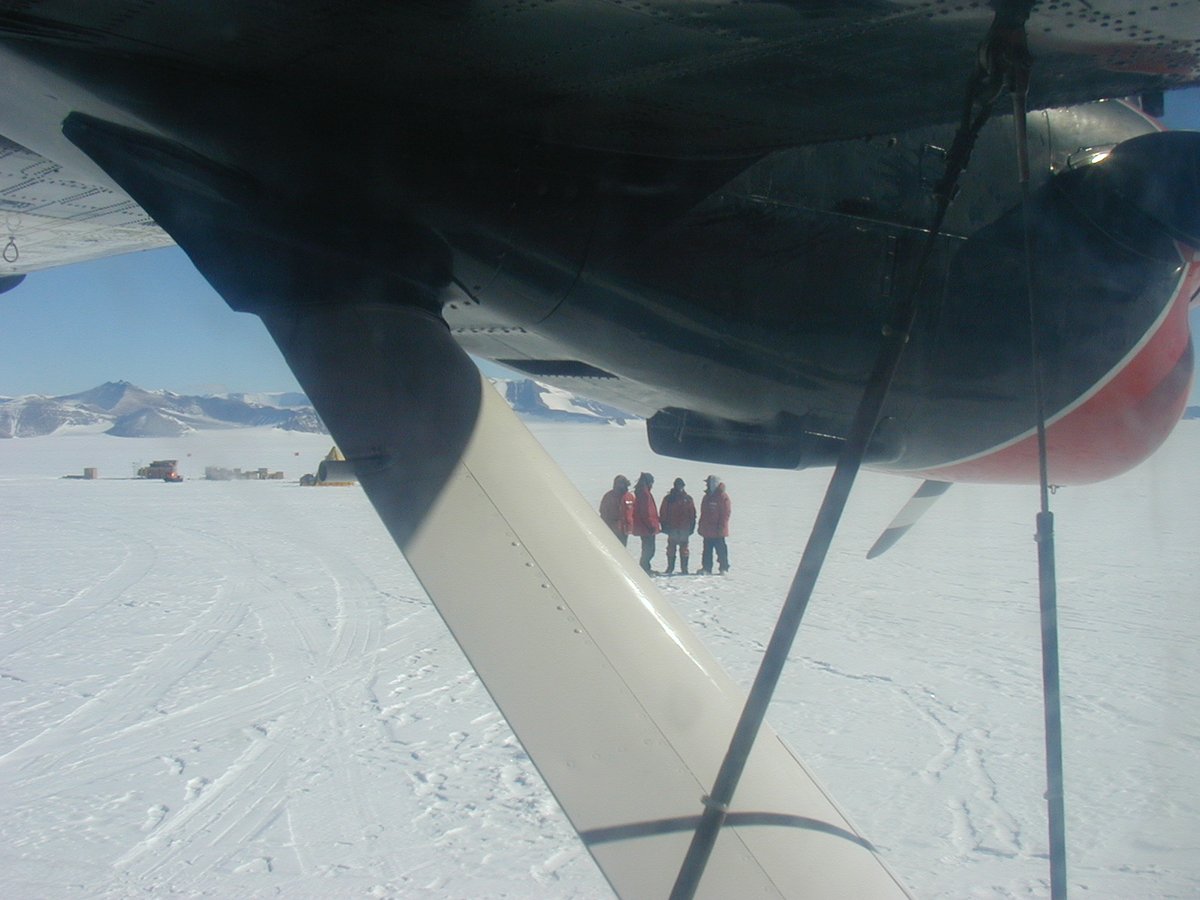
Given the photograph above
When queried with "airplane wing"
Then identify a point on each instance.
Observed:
(704, 208)
(665, 80)
(53, 218)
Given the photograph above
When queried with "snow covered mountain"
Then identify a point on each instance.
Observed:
(540, 402)
(281, 399)
(125, 410)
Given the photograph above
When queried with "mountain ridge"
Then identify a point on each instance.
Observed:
(122, 409)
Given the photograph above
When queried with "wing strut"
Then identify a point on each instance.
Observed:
(987, 82)
(616, 701)
(1047, 579)
(613, 698)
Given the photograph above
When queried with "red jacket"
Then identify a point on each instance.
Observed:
(616, 509)
(714, 513)
(645, 514)
(678, 512)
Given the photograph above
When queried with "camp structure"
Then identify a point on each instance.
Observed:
(334, 471)
(164, 469)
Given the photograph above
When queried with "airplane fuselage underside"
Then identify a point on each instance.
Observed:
(733, 299)
(739, 305)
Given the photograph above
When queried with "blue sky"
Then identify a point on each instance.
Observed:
(151, 319)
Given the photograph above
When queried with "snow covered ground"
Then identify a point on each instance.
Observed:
(238, 689)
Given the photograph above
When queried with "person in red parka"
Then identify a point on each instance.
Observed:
(645, 517)
(616, 509)
(677, 515)
(714, 524)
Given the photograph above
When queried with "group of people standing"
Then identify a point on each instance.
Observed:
(635, 512)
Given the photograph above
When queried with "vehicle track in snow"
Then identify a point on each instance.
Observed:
(217, 781)
(137, 557)
(334, 742)
(320, 637)
(46, 760)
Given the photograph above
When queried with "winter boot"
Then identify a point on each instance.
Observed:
(671, 564)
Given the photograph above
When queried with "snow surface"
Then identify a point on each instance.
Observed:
(238, 689)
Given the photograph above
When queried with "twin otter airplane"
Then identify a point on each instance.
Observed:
(933, 238)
